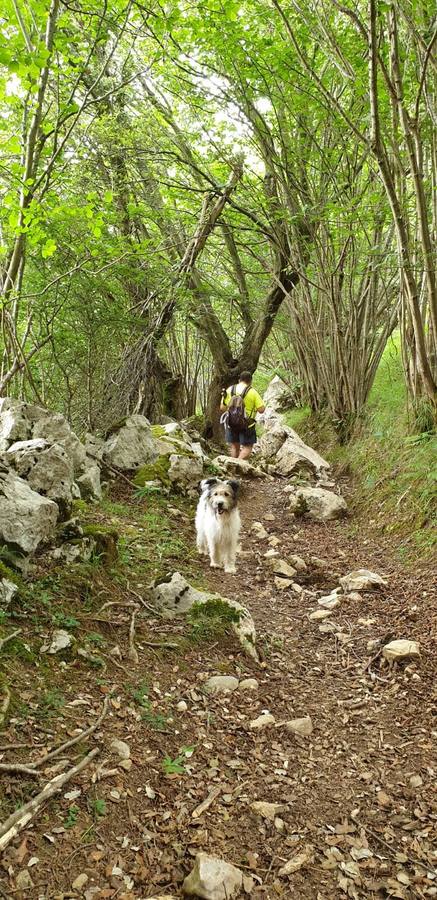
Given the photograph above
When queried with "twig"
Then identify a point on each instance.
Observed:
(19, 819)
(146, 605)
(157, 646)
(116, 603)
(5, 704)
(10, 637)
(132, 653)
(17, 767)
(75, 740)
(206, 803)
(5, 747)
(118, 665)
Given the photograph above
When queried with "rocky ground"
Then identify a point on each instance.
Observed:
(339, 804)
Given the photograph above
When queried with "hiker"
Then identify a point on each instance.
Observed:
(240, 404)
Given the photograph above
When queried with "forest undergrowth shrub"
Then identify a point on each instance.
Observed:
(391, 458)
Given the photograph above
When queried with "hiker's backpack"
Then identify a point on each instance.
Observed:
(237, 418)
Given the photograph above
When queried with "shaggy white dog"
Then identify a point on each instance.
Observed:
(218, 523)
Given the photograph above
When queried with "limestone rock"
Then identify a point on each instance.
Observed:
(282, 568)
(89, 483)
(267, 810)
(318, 504)
(61, 640)
(213, 879)
(262, 721)
(278, 395)
(398, 650)
(257, 528)
(47, 468)
(80, 882)
(330, 601)
(132, 446)
(361, 580)
(220, 684)
(272, 439)
(239, 467)
(283, 584)
(319, 614)
(7, 591)
(176, 597)
(298, 563)
(185, 471)
(120, 748)
(26, 519)
(302, 726)
(248, 684)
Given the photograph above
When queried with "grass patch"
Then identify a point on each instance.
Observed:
(211, 620)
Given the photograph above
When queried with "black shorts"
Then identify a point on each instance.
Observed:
(246, 438)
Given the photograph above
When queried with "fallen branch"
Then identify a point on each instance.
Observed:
(132, 653)
(5, 704)
(19, 769)
(10, 637)
(19, 819)
(112, 469)
(146, 605)
(75, 740)
(206, 803)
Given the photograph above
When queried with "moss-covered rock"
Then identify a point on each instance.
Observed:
(156, 471)
(79, 506)
(9, 575)
(106, 540)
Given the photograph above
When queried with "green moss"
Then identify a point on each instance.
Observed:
(79, 506)
(215, 608)
(157, 471)
(10, 575)
(158, 431)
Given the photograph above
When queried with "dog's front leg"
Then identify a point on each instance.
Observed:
(229, 558)
(214, 555)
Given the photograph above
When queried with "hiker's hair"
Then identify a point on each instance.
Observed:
(246, 377)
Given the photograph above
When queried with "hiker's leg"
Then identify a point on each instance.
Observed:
(245, 452)
(234, 450)
(247, 441)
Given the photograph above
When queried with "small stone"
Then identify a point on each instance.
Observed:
(281, 567)
(270, 554)
(259, 531)
(266, 810)
(269, 517)
(248, 684)
(302, 726)
(182, 706)
(401, 649)
(298, 563)
(319, 614)
(262, 721)
(361, 580)
(273, 541)
(282, 584)
(80, 882)
(24, 881)
(213, 879)
(126, 764)
(61, 640)
(120, 748)
(329, 602)
(328, 628)
(220, 684)
(373, 645)
(279, 824)
(383, 799)
(416, 781)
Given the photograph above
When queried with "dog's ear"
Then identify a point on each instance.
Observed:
(207, 484)
(235, 485)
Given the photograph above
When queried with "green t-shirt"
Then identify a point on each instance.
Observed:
(252, 401)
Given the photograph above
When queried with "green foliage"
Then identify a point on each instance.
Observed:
(177, 766)
(72, 816)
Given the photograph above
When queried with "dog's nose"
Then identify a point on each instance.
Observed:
(219, 505)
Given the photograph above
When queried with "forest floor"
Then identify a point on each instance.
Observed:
(357, 811)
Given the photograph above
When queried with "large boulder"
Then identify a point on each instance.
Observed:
(318, 504)
(175, 597)
(47, 468)
(132, 445)
(26, 519)
(278, 395)
(239, 467)
(185, 472)
(274, 436)
(285, 450)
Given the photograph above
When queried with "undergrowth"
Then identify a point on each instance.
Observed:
(392, 462)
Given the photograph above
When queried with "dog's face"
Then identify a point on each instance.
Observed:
(221, 495)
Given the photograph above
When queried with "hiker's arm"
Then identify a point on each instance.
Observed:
(224, 403)
(260, 409)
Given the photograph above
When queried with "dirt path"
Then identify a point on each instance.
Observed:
(357, 796)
